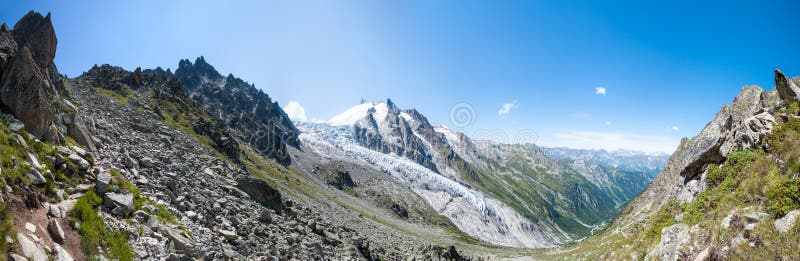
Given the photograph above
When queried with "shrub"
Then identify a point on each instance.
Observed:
(783, 197)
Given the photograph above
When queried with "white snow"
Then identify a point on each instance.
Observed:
(352, 115)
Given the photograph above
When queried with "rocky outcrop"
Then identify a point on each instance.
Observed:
(787, 89)
(31, 88)
(740, 125)
(250, 113)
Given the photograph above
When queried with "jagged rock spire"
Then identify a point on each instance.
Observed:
(787, 90)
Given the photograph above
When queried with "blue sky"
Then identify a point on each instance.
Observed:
(666, 67)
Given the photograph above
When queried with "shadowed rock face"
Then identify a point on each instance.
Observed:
(36, 33)
(31, 88)
(24, 93)
(248, 111)
(787, 90)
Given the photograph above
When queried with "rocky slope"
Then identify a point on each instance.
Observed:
(728, 193)
(128, 165)
(247, 112)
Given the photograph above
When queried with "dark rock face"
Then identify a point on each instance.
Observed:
(250, 112)
(31, 88)
(787, 90)
(262, 192)
(37, 33)
(24, 93)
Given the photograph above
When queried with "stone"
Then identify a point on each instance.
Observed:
(36, 177)
(121, 204)
(103, 181)
(262, 192)
(227, 234)
(152, 222)
(787, 222)
(55, 211)
(787, 90)
(674, 240)
(56, 233)
(30, 249)
(30, 227)
(755, 216)
(16, 257)
(81, 152)
(82, 163)
(178, 239)
(61, 254)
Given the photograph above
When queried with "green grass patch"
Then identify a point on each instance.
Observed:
(94, 233)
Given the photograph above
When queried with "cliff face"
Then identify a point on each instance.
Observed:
(31, 88)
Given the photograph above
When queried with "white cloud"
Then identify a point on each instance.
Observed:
(600, 90)
(613, 141)
(675, 128)
(295, 111)
(506, 109)
(608, 123)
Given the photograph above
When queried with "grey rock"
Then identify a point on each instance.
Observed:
(30, 249)
(36, 177)
(229, 235)
(674, 241)
(55, 211)
(178, 239)
(720, 137)
(103, 182)
(787, 90)
(121, 204)
(61, 254)
(82, 163)
(786, 223)
(55, 230)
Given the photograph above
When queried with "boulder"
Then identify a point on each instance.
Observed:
(61, 254)
(787, 90)
(786, 223)
(36, 177)
(30, 249)
(78, 160)
(56, 232)
(103, 182)
(262, 192)
(227, 234)
(178, 239)
(120, 204)
(675, 240)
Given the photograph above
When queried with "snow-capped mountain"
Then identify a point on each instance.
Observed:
(506, 194)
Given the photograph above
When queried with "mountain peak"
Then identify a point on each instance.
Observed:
(36, 32)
